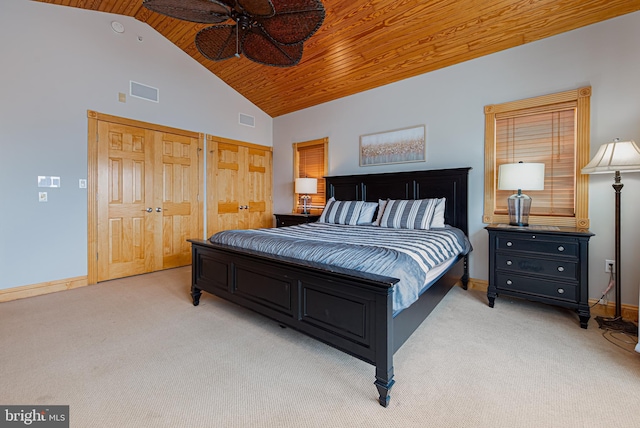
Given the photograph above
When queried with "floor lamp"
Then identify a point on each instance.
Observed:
(617, 156)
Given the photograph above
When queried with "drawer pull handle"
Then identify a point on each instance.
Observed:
(509, 262)
(509, 243)
(560, 290)
(509, 282)
(560, 269)
(561, 248)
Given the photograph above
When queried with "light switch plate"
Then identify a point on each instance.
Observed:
(82, 183)
(42, 196)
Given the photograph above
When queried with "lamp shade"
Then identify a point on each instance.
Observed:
(306, 185)
(615, 156)
(525, 176)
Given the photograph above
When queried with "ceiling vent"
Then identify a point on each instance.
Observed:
(145, 92)
(246, 120)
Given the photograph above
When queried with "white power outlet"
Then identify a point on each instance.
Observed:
(608, 264)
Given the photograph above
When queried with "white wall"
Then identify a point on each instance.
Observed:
(450, 102)
(55, 64)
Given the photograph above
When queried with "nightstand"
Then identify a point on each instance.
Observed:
(541, 263)
(283, 220)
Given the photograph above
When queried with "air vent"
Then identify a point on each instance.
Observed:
(246, 120)
(145, 92)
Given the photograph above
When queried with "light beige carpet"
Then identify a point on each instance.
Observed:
(136, 353)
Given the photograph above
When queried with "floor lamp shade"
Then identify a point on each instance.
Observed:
(616, 157)
(520, 176)
(304, 186)
(623, 156)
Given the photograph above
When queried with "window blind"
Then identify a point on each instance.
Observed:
(546, 135)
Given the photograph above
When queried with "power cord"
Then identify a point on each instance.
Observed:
(612, 282)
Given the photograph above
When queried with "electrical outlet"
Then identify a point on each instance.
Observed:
(608, 264)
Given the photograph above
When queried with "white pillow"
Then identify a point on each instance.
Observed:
(382, 203)
(367, 212)
(438, 215)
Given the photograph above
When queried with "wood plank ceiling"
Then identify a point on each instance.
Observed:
(364, 44)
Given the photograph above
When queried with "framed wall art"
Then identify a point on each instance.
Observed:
(397, 146)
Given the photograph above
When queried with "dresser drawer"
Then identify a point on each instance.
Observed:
(536, 286)
(537, 245)
(556, 268)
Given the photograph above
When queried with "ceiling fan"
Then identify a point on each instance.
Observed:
(269, 32)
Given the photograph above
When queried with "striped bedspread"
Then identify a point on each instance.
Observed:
(406, 254)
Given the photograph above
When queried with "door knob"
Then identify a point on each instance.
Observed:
(158, 210)
(149, 210)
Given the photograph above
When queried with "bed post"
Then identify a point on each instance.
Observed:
(465, 275)
(195, 291)
(384, 346)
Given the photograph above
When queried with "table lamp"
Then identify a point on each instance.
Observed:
(518, 176)
(304, 186)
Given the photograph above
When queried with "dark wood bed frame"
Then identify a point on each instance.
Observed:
(349, 310)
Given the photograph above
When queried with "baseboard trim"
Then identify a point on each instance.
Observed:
(16, 293)
(477, 284)
(629, 312)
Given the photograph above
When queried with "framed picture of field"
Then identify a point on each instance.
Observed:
(398, 146)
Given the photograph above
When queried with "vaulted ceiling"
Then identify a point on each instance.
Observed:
(364, 44)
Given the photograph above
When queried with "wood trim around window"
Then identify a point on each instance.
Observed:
(581, 97)
(296, 168)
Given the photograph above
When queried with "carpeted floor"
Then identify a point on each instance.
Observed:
(136, 353)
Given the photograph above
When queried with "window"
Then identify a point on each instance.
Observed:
(551, 129)
(310, 160)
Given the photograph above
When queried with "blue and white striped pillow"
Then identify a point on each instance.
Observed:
(341, 212)
(409, 214)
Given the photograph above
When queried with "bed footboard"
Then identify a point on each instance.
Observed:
(349, 310)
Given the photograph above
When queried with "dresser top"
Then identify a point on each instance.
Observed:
(540, 228)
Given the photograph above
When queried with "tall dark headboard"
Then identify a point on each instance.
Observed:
(438, 183)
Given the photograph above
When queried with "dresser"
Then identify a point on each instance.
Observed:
(541, 263)
(283, 220)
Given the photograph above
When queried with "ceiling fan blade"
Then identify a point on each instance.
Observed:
(294, 21)
(202, 11)
(261, 49)
(230, 3)
(218, 42)
(257, 8)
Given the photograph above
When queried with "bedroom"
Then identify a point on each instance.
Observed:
(47, 92)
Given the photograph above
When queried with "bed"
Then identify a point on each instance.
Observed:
(349, 309)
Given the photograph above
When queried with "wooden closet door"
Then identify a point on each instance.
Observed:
(178, 185)
(148, 182)
(127, 223)
(258, 188)
(238, 185)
